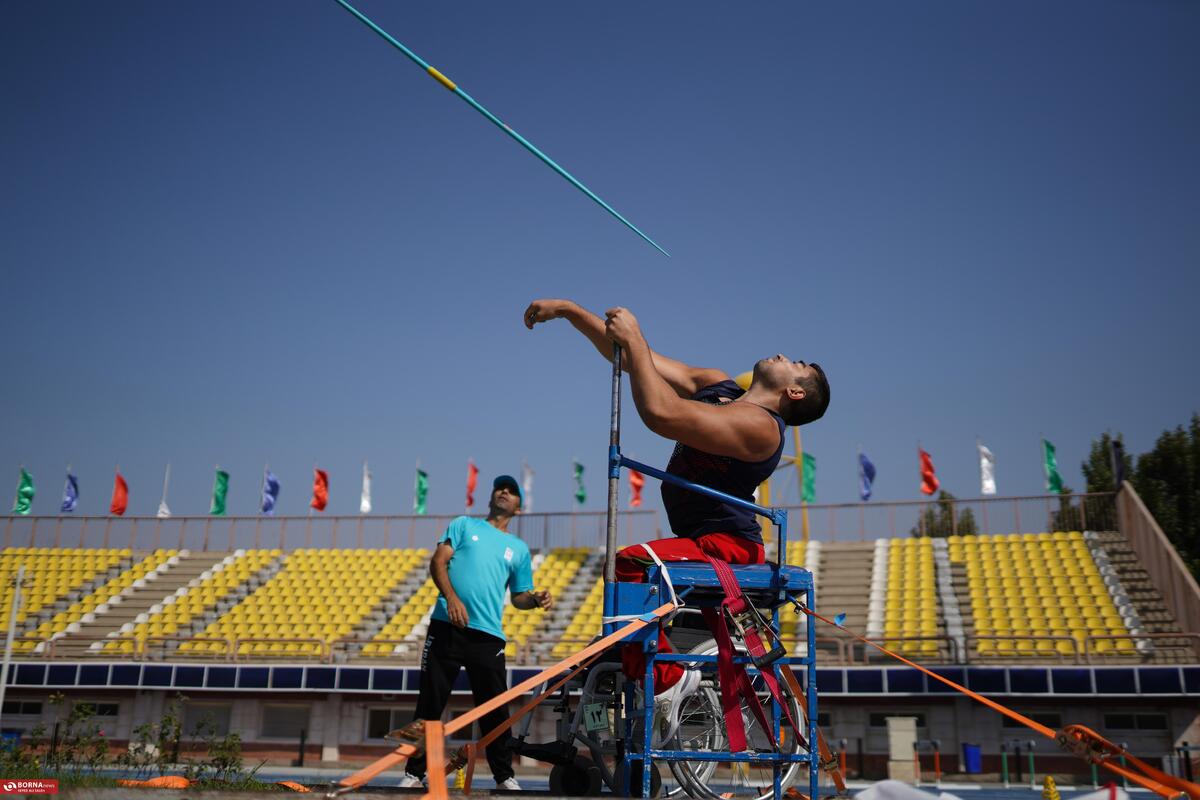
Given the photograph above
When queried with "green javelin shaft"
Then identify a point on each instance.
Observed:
(449, 84)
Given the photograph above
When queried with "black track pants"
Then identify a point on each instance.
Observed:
(448, 649)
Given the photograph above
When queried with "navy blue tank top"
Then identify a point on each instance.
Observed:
(691, 514)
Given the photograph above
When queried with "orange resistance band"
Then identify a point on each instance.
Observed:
(1101, 750)
(827, 761)
(491, 736)
(405, 750)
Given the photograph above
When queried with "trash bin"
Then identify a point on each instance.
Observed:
(972, 759)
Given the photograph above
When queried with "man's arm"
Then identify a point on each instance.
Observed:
(683, 379)
(527, 601)
(438, 570)
(740, 430)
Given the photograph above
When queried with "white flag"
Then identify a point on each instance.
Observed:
(526, 487)
(163, 511)
(364, 506)
(987, 470)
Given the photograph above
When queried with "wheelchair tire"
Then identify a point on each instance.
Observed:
(703, 729)
(579, 779)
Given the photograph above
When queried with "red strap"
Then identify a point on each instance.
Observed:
(735, 675)
(727, 681)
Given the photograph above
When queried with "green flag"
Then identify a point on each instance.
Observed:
(809, 473)
(420, 492)
(220, 490)
(25, 492)
(580, 491)
(1053, 479)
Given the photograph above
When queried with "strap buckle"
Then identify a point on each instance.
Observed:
(750, 620)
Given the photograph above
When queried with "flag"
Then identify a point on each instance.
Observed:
(809, 474)
(320, 489)
(364, 503)
(163, 510)
(636, 481)
(220, 491)
(472, 481)
(25, 492)
(987, 470)
(70, 494)
(526, 487)
(580, 491)
(929, 481)
(270, 492)
(120, 498)
(1053, 479)
(866, 476)
(420, 492)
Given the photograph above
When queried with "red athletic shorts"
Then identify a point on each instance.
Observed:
(631, 568)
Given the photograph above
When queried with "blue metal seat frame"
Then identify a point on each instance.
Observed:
(768, 586)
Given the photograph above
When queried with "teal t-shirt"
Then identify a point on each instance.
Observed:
(486, 561)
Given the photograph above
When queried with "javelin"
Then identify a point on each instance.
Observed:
(449, 84)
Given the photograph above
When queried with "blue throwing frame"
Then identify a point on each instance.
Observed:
(768, 585)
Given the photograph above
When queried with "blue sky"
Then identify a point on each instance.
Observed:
(244, 233)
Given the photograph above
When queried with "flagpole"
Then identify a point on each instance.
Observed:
(800, 481)
(17, 491)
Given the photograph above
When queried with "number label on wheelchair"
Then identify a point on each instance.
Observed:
(595, 717)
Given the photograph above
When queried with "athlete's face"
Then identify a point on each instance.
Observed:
(779, 371)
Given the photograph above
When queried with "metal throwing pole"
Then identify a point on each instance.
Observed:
(473, 103)
(614, 476)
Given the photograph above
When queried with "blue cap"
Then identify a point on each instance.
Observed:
(510, 481)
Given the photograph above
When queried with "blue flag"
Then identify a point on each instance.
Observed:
(866, 476)
(840, 619)
(70, 494)
(270, 493)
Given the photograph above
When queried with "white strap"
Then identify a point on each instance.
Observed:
(670, 588)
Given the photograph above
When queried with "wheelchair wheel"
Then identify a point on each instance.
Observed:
(579, 779)
(702, 728)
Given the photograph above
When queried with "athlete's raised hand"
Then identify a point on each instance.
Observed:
(544, 311)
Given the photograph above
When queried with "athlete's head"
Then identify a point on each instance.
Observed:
(506, 495)
(803, 388)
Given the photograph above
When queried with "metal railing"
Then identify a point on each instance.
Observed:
(221, 534)
(1159, 558)
(855, 522)
(1185, 645)
(1009, 651)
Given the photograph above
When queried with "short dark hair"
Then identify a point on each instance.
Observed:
(816, 399)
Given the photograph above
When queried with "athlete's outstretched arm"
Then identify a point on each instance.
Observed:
(684, 379)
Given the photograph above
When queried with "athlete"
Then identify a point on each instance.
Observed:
(725, 438)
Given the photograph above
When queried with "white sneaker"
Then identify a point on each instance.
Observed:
(509, 785)
(408, 781)
(670, 701)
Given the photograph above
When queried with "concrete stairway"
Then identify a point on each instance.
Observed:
(136, 600)
(844, 577)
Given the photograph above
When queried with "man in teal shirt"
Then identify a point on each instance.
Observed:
(475, 563)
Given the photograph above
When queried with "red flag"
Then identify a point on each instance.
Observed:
(320, 489)
(929, 481)
(636, 481)
(472, 479)
(120, 498)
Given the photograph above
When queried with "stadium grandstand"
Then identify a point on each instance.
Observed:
(1073, 609)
